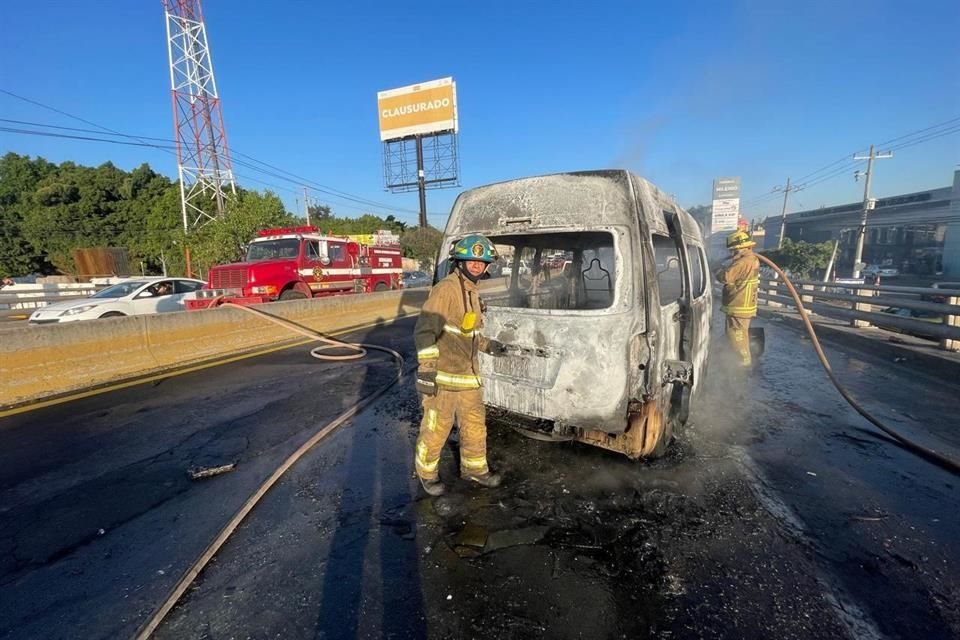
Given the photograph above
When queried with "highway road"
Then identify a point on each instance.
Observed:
(779, 514)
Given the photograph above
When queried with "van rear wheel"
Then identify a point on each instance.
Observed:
(657, 433)
(651, 430)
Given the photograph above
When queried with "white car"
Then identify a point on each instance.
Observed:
(883, 272)
(129, 298)
(508, 269)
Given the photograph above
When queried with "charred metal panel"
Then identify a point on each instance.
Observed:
(576, 369)
(599, 370)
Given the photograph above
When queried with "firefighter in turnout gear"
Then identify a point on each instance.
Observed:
(448, 341)
(740, 281)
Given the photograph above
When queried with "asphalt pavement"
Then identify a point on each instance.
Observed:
(778, 514)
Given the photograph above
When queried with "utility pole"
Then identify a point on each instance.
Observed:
(868, 204)
(783, 212)
(306, 206)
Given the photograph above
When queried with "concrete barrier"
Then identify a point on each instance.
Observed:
(40, 362)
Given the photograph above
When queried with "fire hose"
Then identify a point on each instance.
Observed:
(908, 444)
(359, 350)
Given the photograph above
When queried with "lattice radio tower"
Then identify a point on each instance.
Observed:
(202, 156)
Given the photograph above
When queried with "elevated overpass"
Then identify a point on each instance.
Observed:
(778, 514)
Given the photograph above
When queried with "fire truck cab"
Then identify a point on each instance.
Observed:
(299, 262)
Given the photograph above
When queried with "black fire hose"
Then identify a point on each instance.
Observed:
(908, 444)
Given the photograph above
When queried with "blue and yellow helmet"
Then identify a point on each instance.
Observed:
(474, 247)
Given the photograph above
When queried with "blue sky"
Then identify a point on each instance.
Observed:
(677, 92)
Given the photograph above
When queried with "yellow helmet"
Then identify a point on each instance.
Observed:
(739, 240)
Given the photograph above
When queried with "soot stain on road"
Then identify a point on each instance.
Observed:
(581, 543)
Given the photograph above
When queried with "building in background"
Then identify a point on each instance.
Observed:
(916, 233)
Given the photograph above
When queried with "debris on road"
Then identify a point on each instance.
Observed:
(208, 472)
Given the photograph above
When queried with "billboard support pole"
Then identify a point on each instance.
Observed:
(421, 182)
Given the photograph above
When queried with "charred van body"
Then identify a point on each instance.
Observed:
(605, 306)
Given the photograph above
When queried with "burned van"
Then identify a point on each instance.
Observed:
(603, 303)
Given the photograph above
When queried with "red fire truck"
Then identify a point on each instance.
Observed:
(299, 262)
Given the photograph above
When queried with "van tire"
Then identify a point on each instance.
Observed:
(293, 294)
(114, 314)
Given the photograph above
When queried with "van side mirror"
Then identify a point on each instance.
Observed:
(324, 260)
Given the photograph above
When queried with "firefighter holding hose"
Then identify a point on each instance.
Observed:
(448, 341)
(740, 280)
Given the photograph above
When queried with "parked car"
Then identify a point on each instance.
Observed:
(129, 298)
(874, 270)
(924, 316)
(507, 270)
(413, 279)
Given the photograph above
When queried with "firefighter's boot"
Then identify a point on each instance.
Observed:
(433, 486)
(488, 479)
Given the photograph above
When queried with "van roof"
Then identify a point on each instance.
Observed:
(588, 199)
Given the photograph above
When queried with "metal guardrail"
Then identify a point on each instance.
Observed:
(862, 300)
(20, 303)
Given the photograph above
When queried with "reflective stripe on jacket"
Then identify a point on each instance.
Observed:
(740, 282)
(442, 343)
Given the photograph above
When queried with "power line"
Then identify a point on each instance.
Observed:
(169, 148)
(927, 138)
(81, 130)
(907, 135)
(50, 134)
(299, 180)
(832, 170)
(823, 168)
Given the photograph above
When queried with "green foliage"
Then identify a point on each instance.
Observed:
(421, 243)
(19, 177)
(366, 223)
(225, 240)
(48, 210)
(801, 258)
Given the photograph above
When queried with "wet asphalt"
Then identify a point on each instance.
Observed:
(779, 513)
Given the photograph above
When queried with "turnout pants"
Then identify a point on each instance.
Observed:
(439, 412)
(738, 335)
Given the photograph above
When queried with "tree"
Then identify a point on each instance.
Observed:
(422, 244)
(319, 214)
(365, 224)
(224, 241)
(801, 258)
(19, 177)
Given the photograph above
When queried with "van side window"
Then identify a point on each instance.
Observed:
(669, 270)
(698, 277)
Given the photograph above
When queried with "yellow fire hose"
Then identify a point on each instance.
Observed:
(906, 443)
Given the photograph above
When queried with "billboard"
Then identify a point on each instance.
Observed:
(726, 205)
(418, 109)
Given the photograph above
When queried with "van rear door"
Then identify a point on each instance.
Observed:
(563, 326)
